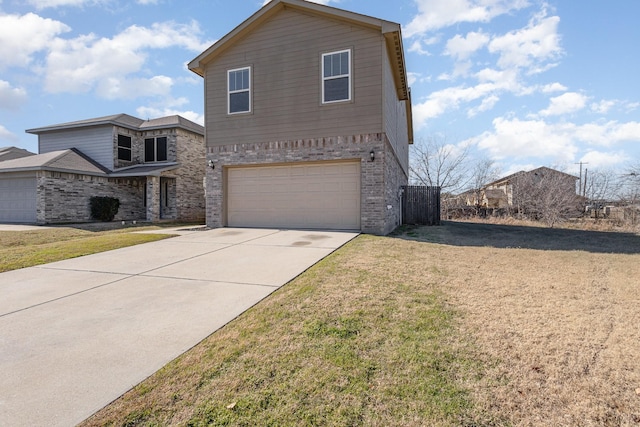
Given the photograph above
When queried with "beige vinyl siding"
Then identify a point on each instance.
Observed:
(285, 54)
(395, 118)
(95, 142)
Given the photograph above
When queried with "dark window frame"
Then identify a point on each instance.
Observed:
(156, 149)
(123, 148)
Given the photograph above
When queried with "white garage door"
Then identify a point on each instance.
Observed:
(314, 195)
(17, 199)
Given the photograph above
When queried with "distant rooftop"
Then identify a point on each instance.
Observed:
(126, 121)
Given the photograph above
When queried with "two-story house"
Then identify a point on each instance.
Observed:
(154, 167)
(308, 119)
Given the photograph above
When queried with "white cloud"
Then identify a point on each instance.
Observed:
(312, 1)
(487, 104)
(513, 138)
(603, 106)
(153, 112)
(436, 14)
(23, 35)
(530, 47)
(118, 88)
(11, 98)
(5, 135)
(553, 87)
(566, 103)
(463, 47)
(147, 2)
(83, 63)
(44, 4)
(517, 139)
(601, 160)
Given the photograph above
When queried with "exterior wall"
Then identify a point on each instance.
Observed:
(380, 179)
(395, 178)
(395, 118)
(284, 54)
(95, 142)
(63, 197)
(189, 191)
(137, 144)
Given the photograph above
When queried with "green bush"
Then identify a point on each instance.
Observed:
(104, 208)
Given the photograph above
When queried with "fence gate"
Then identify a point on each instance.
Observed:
(420, 205)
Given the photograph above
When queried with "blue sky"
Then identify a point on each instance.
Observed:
(524, 82)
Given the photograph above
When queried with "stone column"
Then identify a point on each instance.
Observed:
(153, 198)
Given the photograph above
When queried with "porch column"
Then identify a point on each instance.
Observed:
(153, 198)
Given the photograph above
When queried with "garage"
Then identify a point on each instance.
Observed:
(323, 195)
(17, 198)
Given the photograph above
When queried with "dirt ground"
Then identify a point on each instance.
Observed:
(554, 315)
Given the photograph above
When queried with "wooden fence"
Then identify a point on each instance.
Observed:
(420, 205)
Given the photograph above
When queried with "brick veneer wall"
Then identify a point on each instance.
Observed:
(380, 180)
(64, 197)
(190, 203)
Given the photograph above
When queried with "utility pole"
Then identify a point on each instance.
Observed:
(580, 190)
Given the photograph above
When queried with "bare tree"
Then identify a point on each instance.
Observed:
(436, 162)
(546, 195)
(484, 172)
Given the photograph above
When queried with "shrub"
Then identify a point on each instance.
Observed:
(104, 208)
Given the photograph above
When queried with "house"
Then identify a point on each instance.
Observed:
(154, 167)
(10, 153)
(308, 118)
(521, 188)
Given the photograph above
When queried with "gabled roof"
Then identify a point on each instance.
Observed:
(126, 121)
(519, 173)
(70, 161)
(10, 153)
(390, 30)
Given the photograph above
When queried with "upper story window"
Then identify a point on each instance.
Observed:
(155, 149)
(336, 76)
(239, 84)
(124, 148)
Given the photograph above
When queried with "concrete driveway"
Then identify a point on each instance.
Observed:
(77, 334)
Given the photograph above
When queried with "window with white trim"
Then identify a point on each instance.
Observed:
(155, 149)
(336, 76)
(239, 90)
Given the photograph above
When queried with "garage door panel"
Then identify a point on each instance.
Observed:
(319, 195)
(18, 199)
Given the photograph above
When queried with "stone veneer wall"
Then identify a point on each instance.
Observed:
(64, 197)
(380, 179)
(190, 202)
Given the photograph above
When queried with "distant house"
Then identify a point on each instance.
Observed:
(518, 189)
(308, 116)
(10, 153)
(154, 167)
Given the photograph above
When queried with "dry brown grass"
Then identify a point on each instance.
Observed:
(463, 324)
(556, 318)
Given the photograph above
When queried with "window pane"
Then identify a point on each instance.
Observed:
(161, 149)
(239, 80)
(327, 66)
(344, 63)
(149, 150)
(239, 102)
(124, 141)
(124, 154)
(336, 89)
(335, 64)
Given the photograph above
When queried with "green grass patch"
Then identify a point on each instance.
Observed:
(20, 249)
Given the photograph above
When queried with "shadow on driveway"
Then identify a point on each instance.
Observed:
(516, 236)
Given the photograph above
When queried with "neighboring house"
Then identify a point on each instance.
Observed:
(308, 117)
(516, 189)
(10, 153)
(154, 167)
